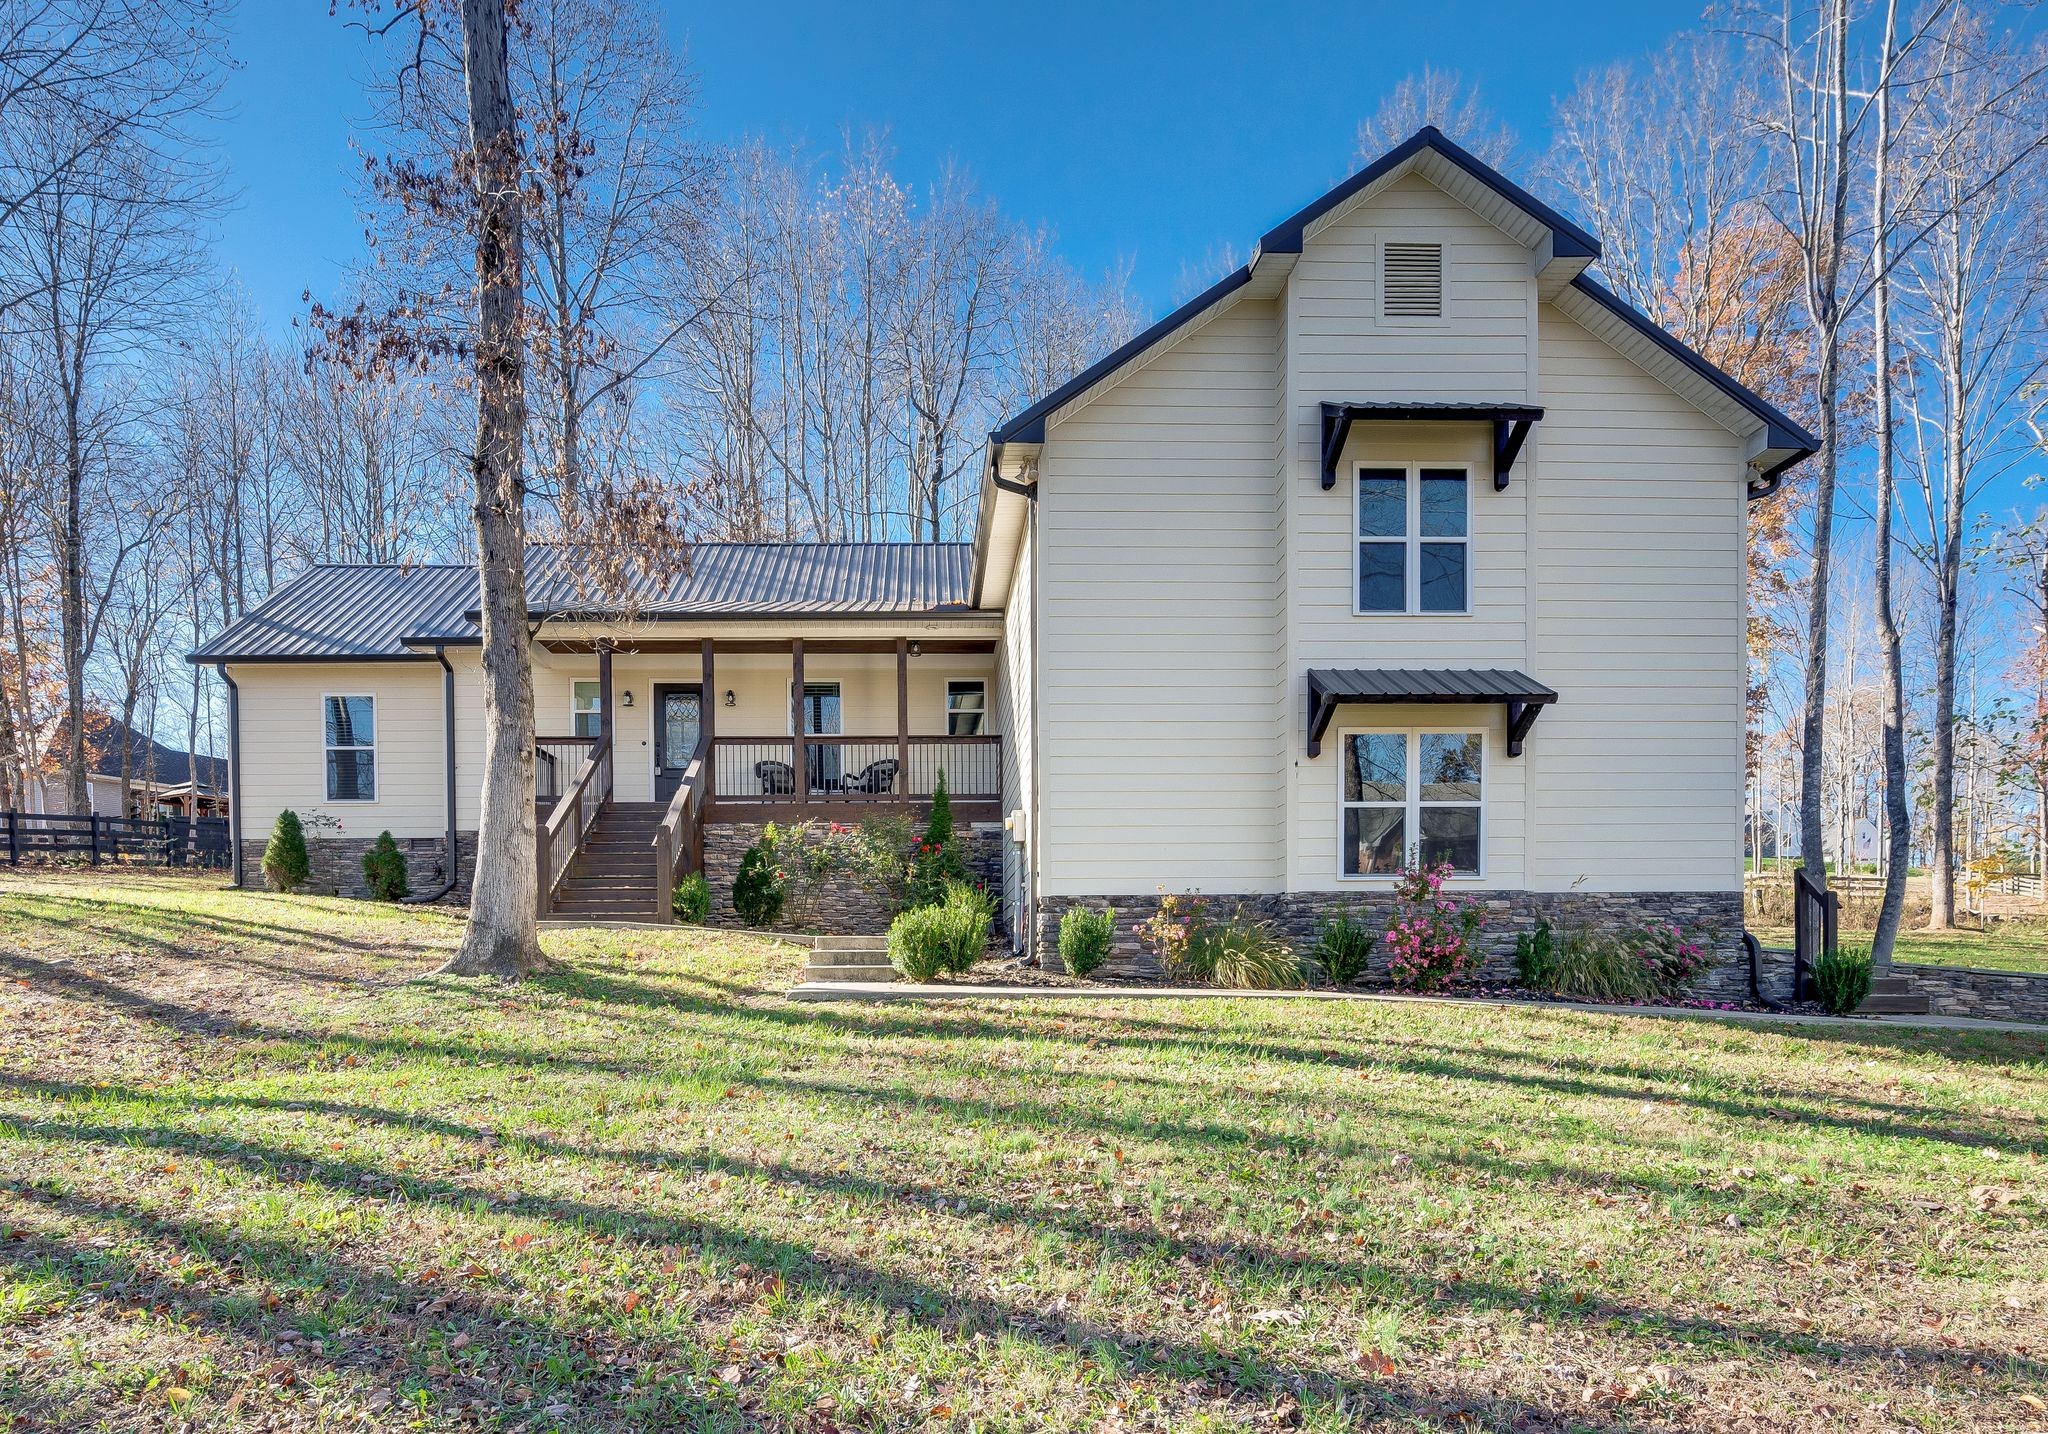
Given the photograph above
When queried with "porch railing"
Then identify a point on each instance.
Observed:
(557, 763)
(679, 840)
(563, 832)
(1816, 912)
(853, 771)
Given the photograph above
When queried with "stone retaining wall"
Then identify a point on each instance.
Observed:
(1299, 916)
(842, 905)
(337, 864)
(1974, 991)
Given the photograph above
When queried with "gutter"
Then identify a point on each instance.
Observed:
(448, 764)
(234, 773)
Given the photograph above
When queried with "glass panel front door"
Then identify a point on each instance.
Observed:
(822, 719)
(678, 723)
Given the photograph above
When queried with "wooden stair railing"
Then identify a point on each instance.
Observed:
(1816, 916)
(562, 835)
(679, 840)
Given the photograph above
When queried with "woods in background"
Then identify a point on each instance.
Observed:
(1842, 206)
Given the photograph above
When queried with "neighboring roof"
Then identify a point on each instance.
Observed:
(103, 755)
(1405, 684)
(393, 611)
(1565, 240)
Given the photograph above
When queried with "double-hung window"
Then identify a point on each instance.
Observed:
(351, 724)
(1413, 540)
(966, 708)
(1416, 792)
(585, 700)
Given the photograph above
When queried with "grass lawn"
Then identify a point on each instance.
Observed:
(2006, 946)
(255, 1173)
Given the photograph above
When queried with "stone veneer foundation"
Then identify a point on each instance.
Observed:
(1974, 991)
(844, 907)
(337, 864)
(1299, 915)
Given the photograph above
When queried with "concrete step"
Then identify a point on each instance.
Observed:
(1894, 1005)
(841, 956)
(851, 943)
(850, 973)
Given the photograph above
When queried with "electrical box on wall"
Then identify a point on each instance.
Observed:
(1017, 827)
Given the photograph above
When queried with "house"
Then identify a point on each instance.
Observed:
(1406, 535)
(159, 776)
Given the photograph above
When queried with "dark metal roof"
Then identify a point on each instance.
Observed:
(1404, 684)
(147, 756)
(397, 611)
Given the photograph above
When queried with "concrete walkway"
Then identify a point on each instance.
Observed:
(910, 991)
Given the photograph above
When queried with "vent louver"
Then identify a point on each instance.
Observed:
(1414, 278)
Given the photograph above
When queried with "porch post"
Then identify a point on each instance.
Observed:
(796, 723)
(707, 711)
(903, 719)
(604, 689)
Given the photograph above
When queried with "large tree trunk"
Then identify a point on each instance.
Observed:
(502, 938)
(1941, 908)
(1813, 719)
(77, 798)
(1898, 827)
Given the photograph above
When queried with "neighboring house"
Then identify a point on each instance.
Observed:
(159, 777)
(1406, 534)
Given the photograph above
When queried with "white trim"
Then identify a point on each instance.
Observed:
(946, 701)
(796, 705)
(575, 711)
(1412, 805)
(376, 758)
(1412, 541)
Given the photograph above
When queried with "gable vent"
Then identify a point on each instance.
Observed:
(1413, 275)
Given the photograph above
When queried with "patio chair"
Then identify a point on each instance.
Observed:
(778, 779)
(877, 779)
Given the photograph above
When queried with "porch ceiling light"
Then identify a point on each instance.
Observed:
(917, 649)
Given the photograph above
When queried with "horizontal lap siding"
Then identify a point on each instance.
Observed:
(1158, 625)
(1013, 716)
(1640, 626)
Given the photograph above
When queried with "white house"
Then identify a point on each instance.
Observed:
(1407, 534)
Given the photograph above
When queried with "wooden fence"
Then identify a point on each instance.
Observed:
(149, 841)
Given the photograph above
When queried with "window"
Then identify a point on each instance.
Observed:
(351, 748)
(1418, 791)
(585, 709)
(1411, 281)
(966, 708)
(1413, 540)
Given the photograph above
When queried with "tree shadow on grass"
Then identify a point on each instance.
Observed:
(158, 927)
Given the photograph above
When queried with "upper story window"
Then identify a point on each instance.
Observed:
(1413, 540)
(585, 701)
(351, 748)
(966, 708)
(1411, 280)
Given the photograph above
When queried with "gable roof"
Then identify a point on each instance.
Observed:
(1489, 192)
(171, 764)
(395, 612)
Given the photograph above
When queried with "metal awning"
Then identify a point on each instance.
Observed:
(1510, 422)
(1330, 688)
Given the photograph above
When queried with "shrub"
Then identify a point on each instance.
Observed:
(1672, 956)
(285, 863)
(1343, 947)
(1169, 930)
(1429, 939)
(760, 888)
(918, 944)
(1085, 938)
(879, 858)
(1536, 957)
(691, 900)
(1593, 966)
(937, 858)
(384, 868)
(1842, 980)
(969, 911)
(1243, 952)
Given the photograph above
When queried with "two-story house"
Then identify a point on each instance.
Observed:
(1407, 536)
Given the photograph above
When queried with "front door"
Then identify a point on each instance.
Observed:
(821, 719)
(678, 723)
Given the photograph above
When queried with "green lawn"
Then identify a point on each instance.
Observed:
(2006, 946)
(256, 1173)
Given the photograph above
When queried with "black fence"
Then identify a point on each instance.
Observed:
(146, 841)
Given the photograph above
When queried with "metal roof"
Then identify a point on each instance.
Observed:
(336, 613)
(1404, 684)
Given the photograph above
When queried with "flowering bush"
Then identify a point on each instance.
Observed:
(1429, 941)
(936, 858)
(1670, 956)
(1172, 929)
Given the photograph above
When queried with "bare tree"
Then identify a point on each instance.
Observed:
(1443, 99)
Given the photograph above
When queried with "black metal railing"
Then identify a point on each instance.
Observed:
(853, 770)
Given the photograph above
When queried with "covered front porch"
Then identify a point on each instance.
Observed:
(669, 735)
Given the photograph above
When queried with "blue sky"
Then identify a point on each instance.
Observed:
(1154, 133)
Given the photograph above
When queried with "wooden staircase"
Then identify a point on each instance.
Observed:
(612, 876)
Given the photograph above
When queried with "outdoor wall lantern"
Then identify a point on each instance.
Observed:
(626, 698)
(730, 700)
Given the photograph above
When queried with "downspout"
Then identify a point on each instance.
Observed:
(234, 774)
(422, 898)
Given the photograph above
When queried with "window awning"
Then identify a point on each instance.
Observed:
(1510, 427)
(1330, 688)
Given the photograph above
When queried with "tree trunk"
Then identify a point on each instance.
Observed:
(1941, 907)
(1898, 828)
(77, 799)
(502, 938)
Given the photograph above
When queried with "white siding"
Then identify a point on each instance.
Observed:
(1158, 624)
(1014, 719)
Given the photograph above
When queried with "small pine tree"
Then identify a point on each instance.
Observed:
(384, 868)
(937, 859)
(285, 863)
(938, 828)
